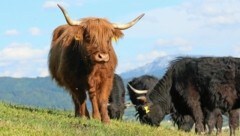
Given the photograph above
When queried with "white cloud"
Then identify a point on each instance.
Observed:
(149, 57)
(179, 43)
(195, 27)
(215, 12)
(199, 24)
(22, 59)
(20, 51)
(189, 18)
(127, 66)
(141, 60)
(11, 32)
(35, 31)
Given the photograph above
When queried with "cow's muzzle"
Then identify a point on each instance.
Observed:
(101, 57)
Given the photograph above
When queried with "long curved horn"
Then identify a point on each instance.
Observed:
(128, 25)
(138, 91)
(142, 98)
(68, 19)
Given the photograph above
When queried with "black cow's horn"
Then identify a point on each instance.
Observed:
(68, 19)
(128, 25)
(141, 97)
(138, 91)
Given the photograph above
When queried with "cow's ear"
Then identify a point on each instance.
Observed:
(117, 34)
(59, 31)
(78, 34)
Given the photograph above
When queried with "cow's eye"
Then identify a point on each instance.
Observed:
(87, 38)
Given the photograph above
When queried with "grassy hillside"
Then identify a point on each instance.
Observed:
(24, 121)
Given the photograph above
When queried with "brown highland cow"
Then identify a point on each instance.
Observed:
(82, 59)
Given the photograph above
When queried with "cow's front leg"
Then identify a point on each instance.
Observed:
(193, 101)
(233, 121)
(103, 99)
(211, 121)
(79, 101)
(198, 116)
(93, 97)
(218, 120)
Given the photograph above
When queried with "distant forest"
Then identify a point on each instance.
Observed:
(38, 92)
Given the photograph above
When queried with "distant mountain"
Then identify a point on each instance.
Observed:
(38, 92)
(156, 68)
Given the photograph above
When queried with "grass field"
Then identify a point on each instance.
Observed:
(25, 121)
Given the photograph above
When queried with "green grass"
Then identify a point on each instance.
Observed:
(25, 121)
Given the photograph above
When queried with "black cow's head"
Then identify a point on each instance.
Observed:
(116, 105)
(116, 111)
(151, 114)
(138, 88)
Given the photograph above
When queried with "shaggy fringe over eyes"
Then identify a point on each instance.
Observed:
(100, 30)
(65, 35)
(96, 30)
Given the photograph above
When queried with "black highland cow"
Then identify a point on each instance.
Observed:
(192, 84)
(138, 88)
(116, 105)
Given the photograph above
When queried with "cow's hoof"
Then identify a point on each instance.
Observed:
(106, 120)
(97, 117)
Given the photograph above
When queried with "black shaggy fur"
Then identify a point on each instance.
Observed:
(147, 82)
(191, 84)
(183, 122)
(116, 105)
(213, 119)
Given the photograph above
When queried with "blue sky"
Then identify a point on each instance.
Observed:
(176, 27)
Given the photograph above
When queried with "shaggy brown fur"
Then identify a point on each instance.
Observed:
(75, 62)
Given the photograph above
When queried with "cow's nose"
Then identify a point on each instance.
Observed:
(102, 57)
